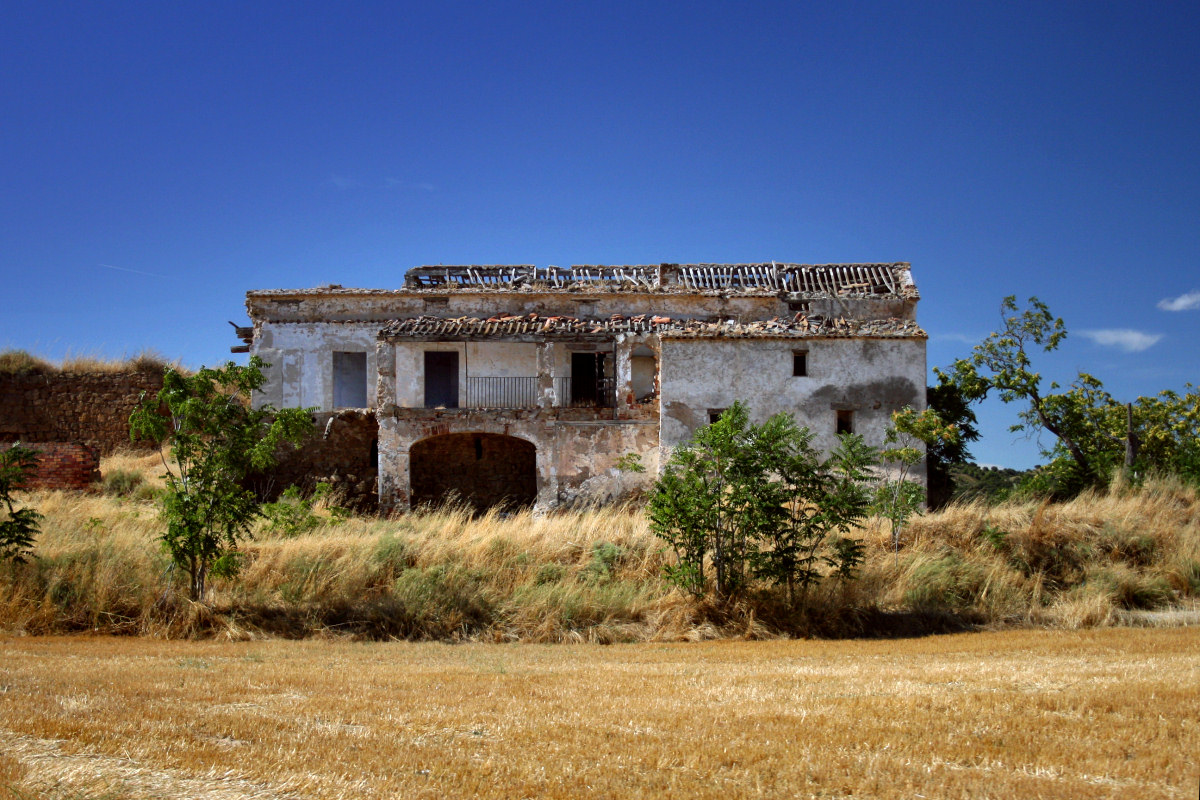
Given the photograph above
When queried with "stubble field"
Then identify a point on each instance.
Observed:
(1109, 713)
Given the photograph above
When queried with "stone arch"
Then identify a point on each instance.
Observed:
(482, 469)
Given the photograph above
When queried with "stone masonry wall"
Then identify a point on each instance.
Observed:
(342, 453)
(62, 465)
(91, 408)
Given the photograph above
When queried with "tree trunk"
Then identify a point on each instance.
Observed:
(1131, 441)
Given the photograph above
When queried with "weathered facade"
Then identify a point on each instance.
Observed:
(528, 384)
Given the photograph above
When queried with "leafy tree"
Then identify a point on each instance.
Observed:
(1094, 433)
(942, 456)
(1002, 362)
(822, 503)
(897, 496)
(757, 501)
(216, 439)
(19, 526)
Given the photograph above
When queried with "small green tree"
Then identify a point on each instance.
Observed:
(756, 501)
(19, 526)
(216, 438)
(898, 497)
(822, 501)
(708, 501)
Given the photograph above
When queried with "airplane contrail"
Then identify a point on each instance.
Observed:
(134, 271)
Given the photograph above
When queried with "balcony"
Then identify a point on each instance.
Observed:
(495, 392)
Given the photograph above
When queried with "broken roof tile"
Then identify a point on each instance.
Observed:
(427, 328)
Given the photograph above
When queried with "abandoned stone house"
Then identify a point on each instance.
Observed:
(527, 385)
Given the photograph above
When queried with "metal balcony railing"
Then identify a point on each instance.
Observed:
(497, 392)
(487, 392)
(585, 393)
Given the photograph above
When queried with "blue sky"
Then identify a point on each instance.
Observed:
(159, 159)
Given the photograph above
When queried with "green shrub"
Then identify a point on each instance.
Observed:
(392, 553)
(443, 600)
(122, 482)
(994, 536)
(605, 557)
(1129, 589)
(292, 515)
(549, 573)
(945, 583)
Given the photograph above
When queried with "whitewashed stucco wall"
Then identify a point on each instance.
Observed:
(301, 361)
(871, 377)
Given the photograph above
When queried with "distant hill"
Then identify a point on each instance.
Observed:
(975, 482)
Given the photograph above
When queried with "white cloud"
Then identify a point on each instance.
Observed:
(1185, 302)
(1123, 339)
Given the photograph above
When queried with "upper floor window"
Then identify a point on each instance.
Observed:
(799, 363)
(349, 380)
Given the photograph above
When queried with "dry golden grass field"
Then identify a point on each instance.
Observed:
(1104, 713)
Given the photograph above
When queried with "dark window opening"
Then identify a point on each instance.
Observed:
(588, 382)
(349, 380)
(799, 363)
(441, 379)
(845, 421)
(798, 305)
(714, 414)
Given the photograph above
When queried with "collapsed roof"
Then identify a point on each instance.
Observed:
(771, 278)
(532, 327)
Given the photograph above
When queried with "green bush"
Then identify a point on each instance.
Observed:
(1129, 589)
(945, 583)
(129, 484)
(443, 600)
(549, 573)
(605, 557)
(293, 514)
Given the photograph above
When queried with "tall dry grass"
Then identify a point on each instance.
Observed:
(21, 361)
(595, 575)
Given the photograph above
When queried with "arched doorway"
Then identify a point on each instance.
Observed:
(481, 469)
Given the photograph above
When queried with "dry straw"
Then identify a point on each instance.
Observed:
(1123, 555)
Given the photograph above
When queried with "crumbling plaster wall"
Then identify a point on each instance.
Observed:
(382, 305)
(297, 335)
(300, 356)
(402, 365)
(870, 377)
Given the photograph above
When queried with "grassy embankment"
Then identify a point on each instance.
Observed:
(595, 576)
